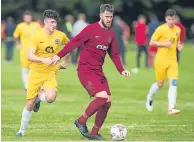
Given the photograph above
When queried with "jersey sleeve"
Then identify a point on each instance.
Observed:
(114, 54)
(75, 42)
(65, 39)
(38, 26)
(33, 42)
(17, 32)
(157, 34)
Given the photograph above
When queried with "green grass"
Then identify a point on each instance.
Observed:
(54, 122)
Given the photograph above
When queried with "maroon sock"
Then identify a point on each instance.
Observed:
(91, 109)
(100, 117)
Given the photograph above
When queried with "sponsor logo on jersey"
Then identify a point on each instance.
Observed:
(102, 47)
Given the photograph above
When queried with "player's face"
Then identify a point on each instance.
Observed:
(28, 18)
(106, 18)
(51, 24)
(170, 20)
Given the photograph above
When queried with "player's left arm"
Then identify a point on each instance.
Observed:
(114, 55)
(65, 63)
(81, 38)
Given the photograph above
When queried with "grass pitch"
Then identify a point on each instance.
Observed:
(54, 122)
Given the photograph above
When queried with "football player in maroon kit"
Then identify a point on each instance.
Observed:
(97, 39)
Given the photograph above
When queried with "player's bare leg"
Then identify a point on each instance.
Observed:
(100, 99)
(26, 115)
(48, 95)
(154, 88)
(172, 93)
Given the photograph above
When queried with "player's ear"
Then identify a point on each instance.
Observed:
(100, 15)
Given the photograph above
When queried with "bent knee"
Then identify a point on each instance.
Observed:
(50, 99)
(173, 82)
(107, 105)
(160, 84)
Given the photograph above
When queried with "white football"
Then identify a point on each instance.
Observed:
(118, 132)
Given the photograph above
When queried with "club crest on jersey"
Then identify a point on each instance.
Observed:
(109, 39)
(177, 33)
(57, 41)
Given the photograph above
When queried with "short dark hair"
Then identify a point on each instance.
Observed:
(170, 12)
(27, 12)
(49, 13)
(106, 7)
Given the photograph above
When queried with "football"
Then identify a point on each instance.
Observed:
(118, 132)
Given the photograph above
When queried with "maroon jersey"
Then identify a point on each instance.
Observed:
(96, 42)
(182, 34)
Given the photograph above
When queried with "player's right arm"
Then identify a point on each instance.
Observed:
(155, 40)
(17, 34)
(73, 44)
(32, 50)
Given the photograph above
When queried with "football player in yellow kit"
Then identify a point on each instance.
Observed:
(22, 34)
(166, 38)
(44, 44)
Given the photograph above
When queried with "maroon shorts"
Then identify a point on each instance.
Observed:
(94, 82)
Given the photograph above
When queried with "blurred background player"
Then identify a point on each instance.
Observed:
(192, 31)
(166, 38)
(68, 26)
(152, 50)
(96, 44)
(141, 31)
(9, 39)
(67, 29)
(182, 34)
(119, 32)
(22, 34)
(78, 26)
(43, 45)
(3, 23)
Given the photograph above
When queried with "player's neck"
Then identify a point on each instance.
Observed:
(47, 31)
(28, 23)
(170, 26)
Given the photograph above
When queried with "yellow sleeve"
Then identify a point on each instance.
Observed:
(38, 26)
(33, 42)
(157, 34)
(65, 39)
(17, 32)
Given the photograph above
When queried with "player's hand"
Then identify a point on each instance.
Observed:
(19, 46)
(168, 43)
(47, 61)
(63, 65)
(180, 46)
(55, 59)
(126, 73)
